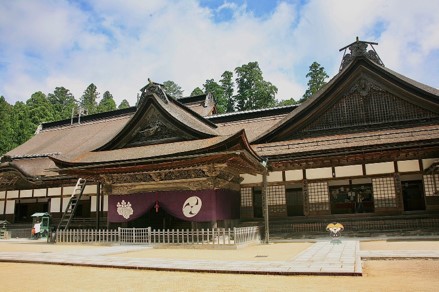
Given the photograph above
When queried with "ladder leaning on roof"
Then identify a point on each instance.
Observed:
(73, 204)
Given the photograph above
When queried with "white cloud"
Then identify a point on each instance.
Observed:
(118, 45)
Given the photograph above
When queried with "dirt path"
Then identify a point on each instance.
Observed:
(406, 275)
(378, 275)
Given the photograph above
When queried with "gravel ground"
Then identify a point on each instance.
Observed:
(378, 275)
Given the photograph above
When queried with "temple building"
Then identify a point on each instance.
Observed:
(366, 144)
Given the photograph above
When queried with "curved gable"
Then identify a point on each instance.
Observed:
(159, 120)
(362, 96)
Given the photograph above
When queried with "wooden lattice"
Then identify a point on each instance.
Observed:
(364, 106)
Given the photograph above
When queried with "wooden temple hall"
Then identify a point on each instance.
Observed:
(365, 145)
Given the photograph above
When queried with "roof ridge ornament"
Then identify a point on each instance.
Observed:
(359, 48)
(153, 88)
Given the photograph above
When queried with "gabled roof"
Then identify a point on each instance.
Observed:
(170, 155)
(160, 119)
(254, 122)
(361, 96)
(70, 140)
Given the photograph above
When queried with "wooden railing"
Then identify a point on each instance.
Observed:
(215, 236)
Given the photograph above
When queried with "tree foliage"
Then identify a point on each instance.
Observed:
(89, 100)
(63, 103)
(197, 91)
(19, 122)
(6, 129)
(40, 109)
(227, 103)
(253, 91)
(173, 89)
(22, 126)
(124, 104)
(107, 103)
(317, 76)
(212, 87)
(286, 102)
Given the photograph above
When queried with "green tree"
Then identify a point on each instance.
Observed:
(212, 87)
(173, 89)
(21, 123)
(290, 101)
(317, 76)
(215, 89)
(228, 101)
(107, 103)
(89, 100)
(40, 110)
(124, 104)
(197, 91)
(6, 130)
(63, 103)
(253, 91)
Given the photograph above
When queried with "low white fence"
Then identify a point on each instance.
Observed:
(215, 236)
(88, 235)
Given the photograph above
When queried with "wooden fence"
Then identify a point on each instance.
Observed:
(215, 236)
(87, 235)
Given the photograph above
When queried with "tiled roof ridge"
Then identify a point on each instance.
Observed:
(90, 122)
(37, 155)
(90, 118)
(251, 120)
(251, 111)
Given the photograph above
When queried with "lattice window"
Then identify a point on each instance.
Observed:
(276, 195)
(384, 192)
(318, 196)
(246, 197)
(431, 187)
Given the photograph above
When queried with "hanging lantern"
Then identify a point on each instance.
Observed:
(156, 206)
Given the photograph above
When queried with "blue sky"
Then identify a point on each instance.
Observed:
(119, 44)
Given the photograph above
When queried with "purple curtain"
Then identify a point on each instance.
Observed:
(197, 206)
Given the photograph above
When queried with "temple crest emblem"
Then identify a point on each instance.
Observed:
(124, 209)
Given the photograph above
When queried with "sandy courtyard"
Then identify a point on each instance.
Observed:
(378, 275)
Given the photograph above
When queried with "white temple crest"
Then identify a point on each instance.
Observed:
(124, 209)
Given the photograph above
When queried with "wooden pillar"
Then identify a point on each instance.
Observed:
(398, 192)
(98, 206)
(265, 206)
(305, 197)
(107, 191)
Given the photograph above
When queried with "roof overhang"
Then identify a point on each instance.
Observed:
(234, 151)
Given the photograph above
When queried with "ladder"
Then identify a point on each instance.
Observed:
(73, 204)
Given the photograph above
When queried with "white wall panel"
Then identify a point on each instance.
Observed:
(54, 192)
(318, 173)
(349, 170)
(55, 204)
(26, 194)
(291, 175)
(251, 179)
(380, 168)
(274, 176)
(40, 192)
(10, 206)
(408, 165)
(12, 194)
